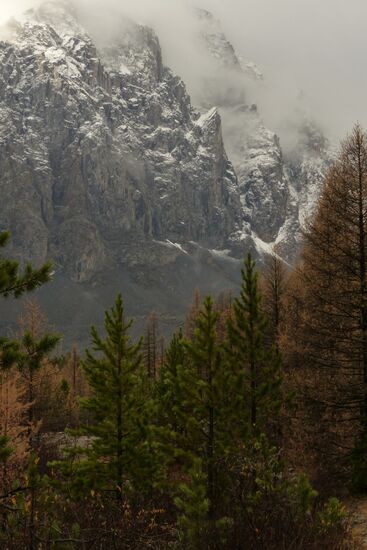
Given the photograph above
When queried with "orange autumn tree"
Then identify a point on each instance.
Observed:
(331, 326)
(13, 425)
(36, 345)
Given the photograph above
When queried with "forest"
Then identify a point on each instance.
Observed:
(247, 430)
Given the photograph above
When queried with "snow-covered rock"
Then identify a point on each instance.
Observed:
(107, 168)
(278, 190)
(101, 151)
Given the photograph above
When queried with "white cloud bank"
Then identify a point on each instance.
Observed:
(9, 8)
(318, 46)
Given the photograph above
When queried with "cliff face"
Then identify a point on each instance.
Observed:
(102, 155)
(278, 190)
(108, 169)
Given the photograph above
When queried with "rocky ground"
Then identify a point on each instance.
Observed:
(358, 513)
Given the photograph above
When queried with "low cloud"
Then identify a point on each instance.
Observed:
(302, 46)
(10, 8)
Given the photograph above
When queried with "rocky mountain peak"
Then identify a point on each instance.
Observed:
(112, 171)
(106, 146)
(278, 189)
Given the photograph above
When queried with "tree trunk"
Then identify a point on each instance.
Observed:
(362, 274)
(210, 449)
(119, 430)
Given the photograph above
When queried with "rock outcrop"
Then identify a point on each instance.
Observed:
(102, 151)
(278, 190)
(108, 169)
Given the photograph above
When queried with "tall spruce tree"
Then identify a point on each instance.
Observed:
(256, 366)
(121, 455)
(200, 420)
(205, 355)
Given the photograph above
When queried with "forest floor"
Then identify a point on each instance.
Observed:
(358, 511)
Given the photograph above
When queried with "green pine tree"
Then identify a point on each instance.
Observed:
(170, 383)
(256, 366)
(9, 353)
(5, 449)
(196, 378)
(13, 283)
(193, 506)
(121, 455)
(207, 424)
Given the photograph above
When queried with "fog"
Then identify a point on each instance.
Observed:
(317, 47)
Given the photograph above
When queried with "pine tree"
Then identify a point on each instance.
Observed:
(193, 505)
(195, 377)
(257, 367)
(13, 283)
(9, 353)
(75, 366)
(151, 346)
(5, 449)
(205, 355)
(121, 455)
(170, 385)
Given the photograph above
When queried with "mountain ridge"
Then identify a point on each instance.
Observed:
(107, 167)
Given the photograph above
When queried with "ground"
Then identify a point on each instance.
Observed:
(358, 509)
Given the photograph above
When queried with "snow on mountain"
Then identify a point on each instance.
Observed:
(104, 148)
(278, 191)
(108, 168)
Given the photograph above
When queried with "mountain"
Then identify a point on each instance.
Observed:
(278, 190)
(108, 168)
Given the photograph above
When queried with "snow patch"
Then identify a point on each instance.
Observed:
(261, 246)
(206, 118)
(171, 244)
(124, 69)
(178, 246)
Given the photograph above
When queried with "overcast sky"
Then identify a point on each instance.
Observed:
(319, 46)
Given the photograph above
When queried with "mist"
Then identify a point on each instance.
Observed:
(303, 47)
